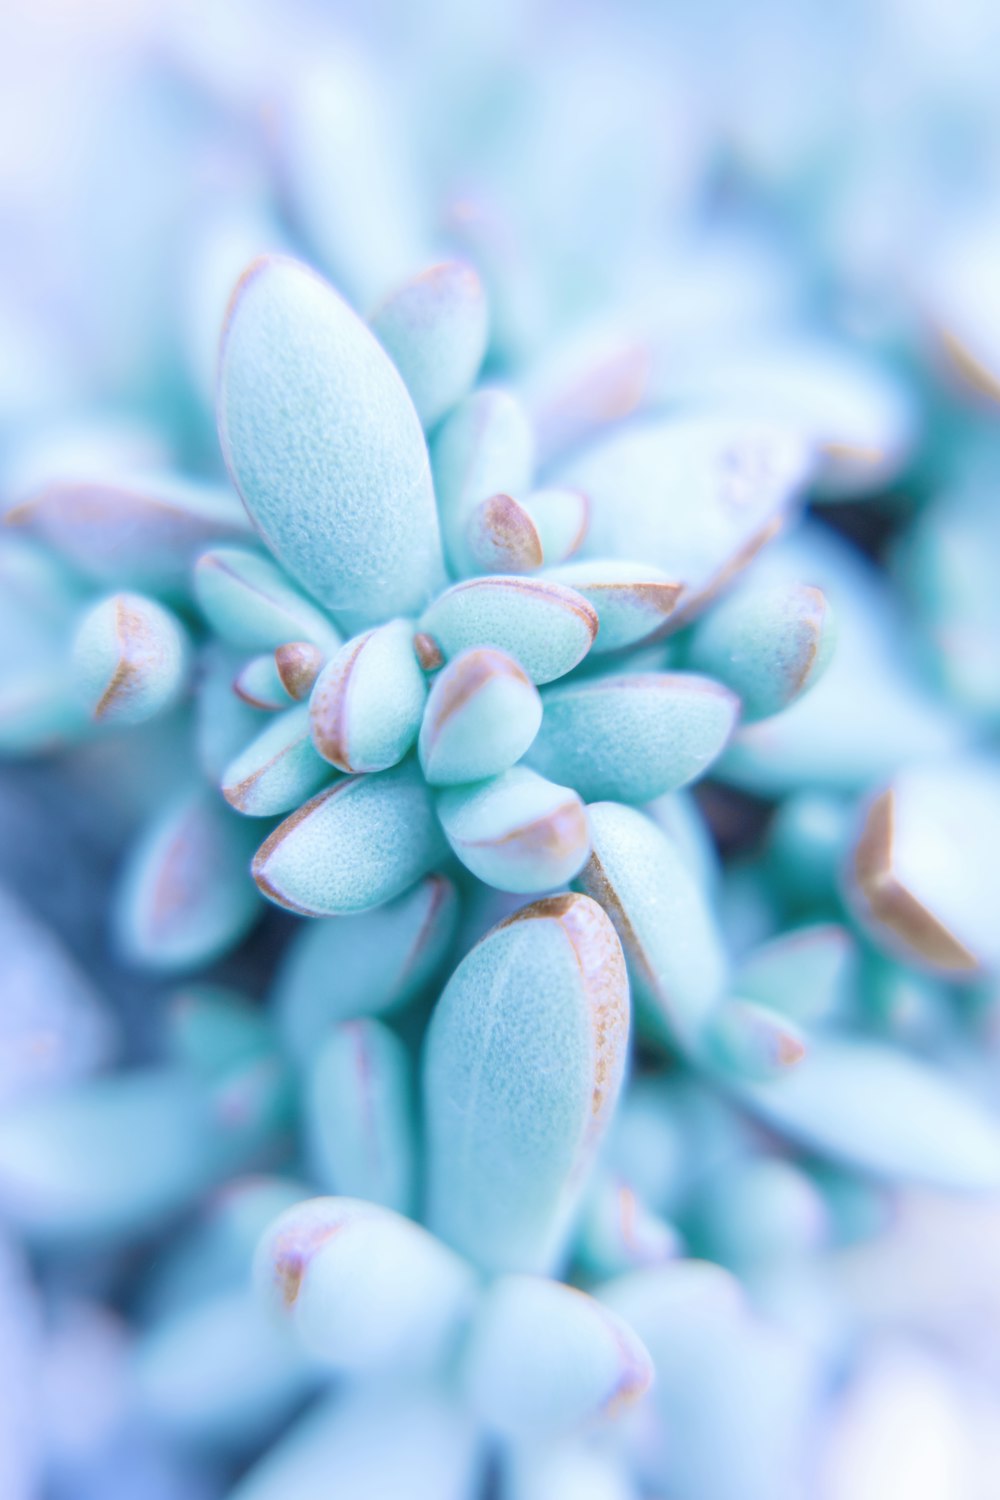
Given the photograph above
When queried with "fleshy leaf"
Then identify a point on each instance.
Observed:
(882, 1112)
(359, 1121)
(184, 897)
(921, 873)
(359, 843)
(363, 965)
(434, 329)
(144, 534)
(738, 1388)
(547, 627)
(770, 645)
(544, 1360)
(130, 659)
(510, 1138)
(54, 1027)
(484, 448)
(661, 913)
(516, 831)
(433, 1454)
(325, 447)
(363, 1288)
(251, 603)
(633, 601)
(703, 492)
(632, 737)
(366, 706)
(482, 713)
(278, 770)
(259, 685)
(220, 1374)
(113, 1158)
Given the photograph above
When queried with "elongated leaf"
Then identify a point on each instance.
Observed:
(325, 447)
(509, 1136)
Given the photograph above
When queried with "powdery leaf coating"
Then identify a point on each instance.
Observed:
(510, 1138)
(434, 328)
(145, 534)
(325, 447)
(770, 645)
(544, 1359)
(278, 770)
(921, 872)
(358, 1115)
(634, 602)
(363, 1288)
(546, 627)
(703, 492)
(517, 831)
(357, 844)
(250, 602)
(363, 965)
(884, 1113)
(130, 658)
(484, 448)
(434, 1453)
(482, 713)
(661, 913)
(633, 737)
(367, 702)
(184, 898)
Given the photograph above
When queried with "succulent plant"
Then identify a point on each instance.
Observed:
(544, 756)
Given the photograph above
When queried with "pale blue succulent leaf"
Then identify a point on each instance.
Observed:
(367, 702)
(632, 737)
(363, 964)
(278, 770)
(359, 1121)
(250, 602)
(546, 1360)
(130, 659)
(483, 711)
(354, 846)
(434, 328)
(516, 831)
(546, 627)
(677, 963)
(183, 897)
(362, 1288)
(325, 447)
(509, 1137)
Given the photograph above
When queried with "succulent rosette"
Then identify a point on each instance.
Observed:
(545, 858)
